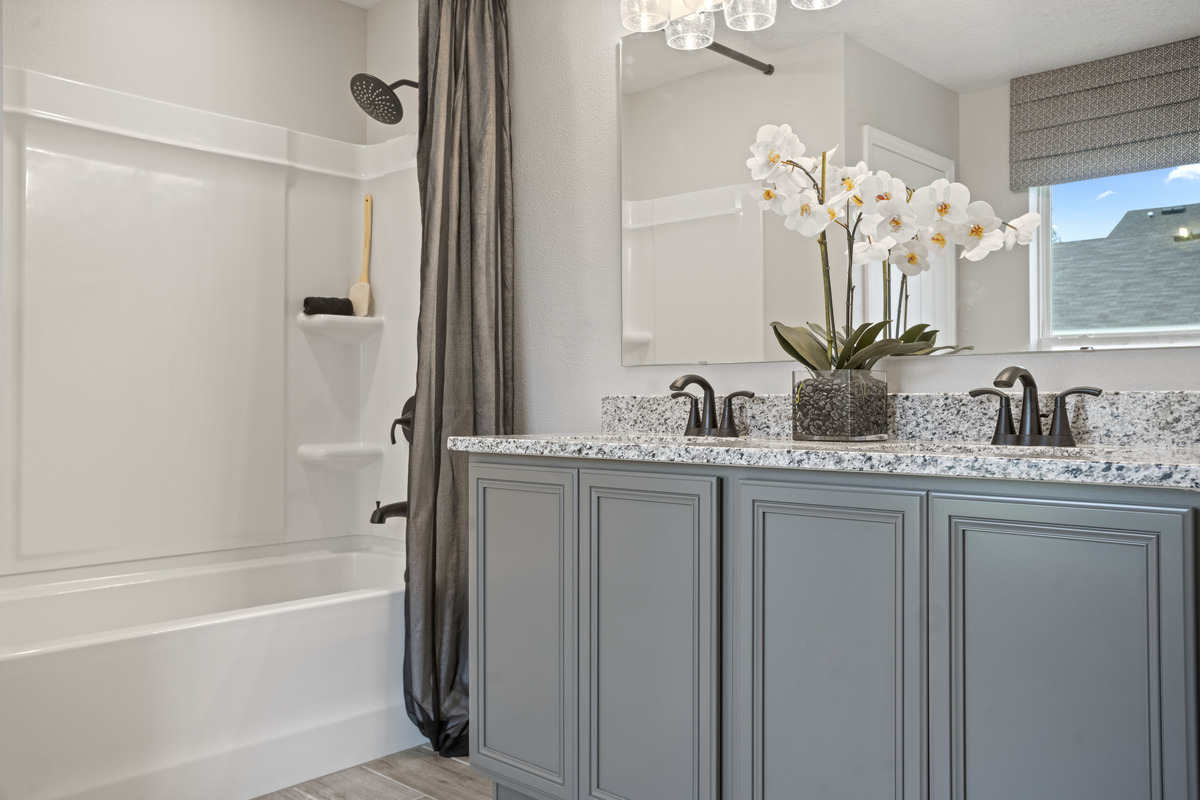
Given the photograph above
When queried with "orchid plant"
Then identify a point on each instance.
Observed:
(884, 223)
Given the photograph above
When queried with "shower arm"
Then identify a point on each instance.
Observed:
(742, 58)
(403, 82)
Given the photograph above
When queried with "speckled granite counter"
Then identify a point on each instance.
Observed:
(1127, 466)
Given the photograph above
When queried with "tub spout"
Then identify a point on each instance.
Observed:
(383, 513)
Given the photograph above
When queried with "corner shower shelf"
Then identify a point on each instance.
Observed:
(354, 330)
(346, 456)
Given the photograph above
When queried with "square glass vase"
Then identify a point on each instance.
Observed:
(843, 405)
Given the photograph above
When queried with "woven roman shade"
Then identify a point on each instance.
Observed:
(1129, 113)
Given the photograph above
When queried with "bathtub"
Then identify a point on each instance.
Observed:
(212, 681)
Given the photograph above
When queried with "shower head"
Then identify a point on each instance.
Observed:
(377, 98)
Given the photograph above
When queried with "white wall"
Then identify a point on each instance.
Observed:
(566, 143)
(895, 99)
(282, 62)
(993, 294)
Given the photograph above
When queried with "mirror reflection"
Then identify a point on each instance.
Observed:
(704, 272)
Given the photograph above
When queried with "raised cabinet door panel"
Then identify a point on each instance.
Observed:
(523, 635)
(1059, 637)
(831, 582)
(649, 593)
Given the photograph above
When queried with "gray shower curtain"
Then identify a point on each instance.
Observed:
(464, 338)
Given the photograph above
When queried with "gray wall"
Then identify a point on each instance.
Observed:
(566, 141)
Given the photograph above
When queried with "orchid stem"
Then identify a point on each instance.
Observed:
(901, 312)
(830, 336)
(887, 298)
(850, 271)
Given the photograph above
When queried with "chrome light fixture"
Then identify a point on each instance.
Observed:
(645, 15)
(691, 24)
(749, 15)
(691, 32)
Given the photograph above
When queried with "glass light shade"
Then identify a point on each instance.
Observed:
(704, 5)
(814, 5)
(645, 15)
(749, 15)
(693, 32)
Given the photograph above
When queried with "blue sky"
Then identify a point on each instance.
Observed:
(1091, 209)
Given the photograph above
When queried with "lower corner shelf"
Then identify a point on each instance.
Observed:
(346, 456)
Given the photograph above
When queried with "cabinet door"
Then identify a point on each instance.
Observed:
(828, 590)
(1059, 638)
(523, 640)
(649, 587)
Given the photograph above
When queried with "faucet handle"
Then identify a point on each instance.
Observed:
(1004, 421)
(728, 426)
(1060, 426)
(693, 423)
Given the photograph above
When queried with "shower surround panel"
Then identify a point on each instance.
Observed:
(153, 384)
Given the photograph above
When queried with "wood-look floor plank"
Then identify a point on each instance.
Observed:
(427, 772)
(358, 783)
(291, 793)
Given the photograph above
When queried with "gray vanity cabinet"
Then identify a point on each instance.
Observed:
(828, 587)
(523, 626)
(595, 633)
(686, 632)
(1058, 661)
(649, 590)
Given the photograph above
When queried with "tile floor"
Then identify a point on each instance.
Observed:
(416, 774)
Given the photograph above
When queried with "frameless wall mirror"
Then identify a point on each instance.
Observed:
(705, 272)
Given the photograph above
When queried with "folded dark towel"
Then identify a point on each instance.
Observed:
(328, 305)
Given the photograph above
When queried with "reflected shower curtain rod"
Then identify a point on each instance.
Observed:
(720, 49)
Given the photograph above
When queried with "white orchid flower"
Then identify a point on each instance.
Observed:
(805, 215)
(897, 219)
(941, 201)
(872, 251)
(1021, 230)
(988, 243)
(879, 187)
(981, 231)
(851, 178)
(792, 180)
(940, 237)
(769, 198)
(911, 257)
(773, 147)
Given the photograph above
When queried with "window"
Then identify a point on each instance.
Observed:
(1119, 260)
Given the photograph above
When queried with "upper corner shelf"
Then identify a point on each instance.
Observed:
(354, 330)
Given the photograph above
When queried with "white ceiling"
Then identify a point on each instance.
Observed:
(962, 44)
(367, 4)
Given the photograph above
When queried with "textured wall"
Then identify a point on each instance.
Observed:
(282, 62)
(566, 141)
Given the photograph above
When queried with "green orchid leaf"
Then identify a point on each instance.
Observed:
(913, 334)
(868, 332)
(802, 345)
(928, 336)
(859, 338)
(840, 337)
(786, 345)
(866, 358)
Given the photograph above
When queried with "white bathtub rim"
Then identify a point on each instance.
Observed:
(150, 575)
(185, 623)
(227, 555)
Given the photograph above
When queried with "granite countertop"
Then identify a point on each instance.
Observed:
(1177, 467)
